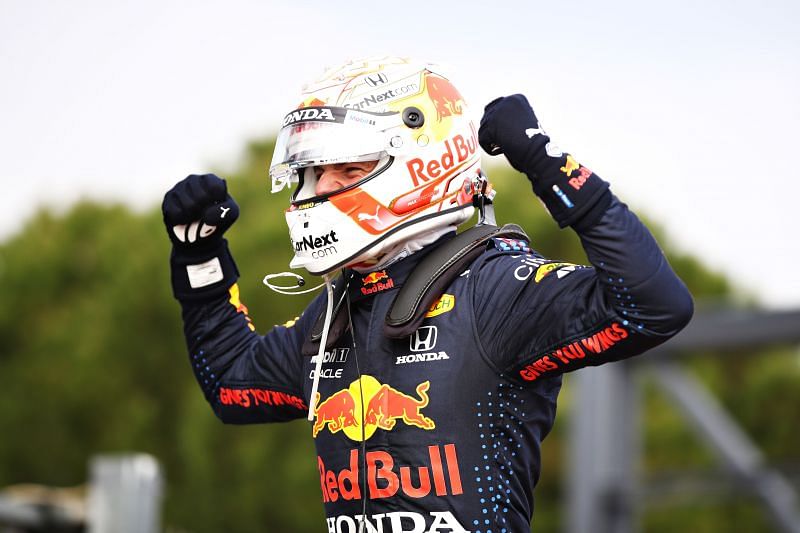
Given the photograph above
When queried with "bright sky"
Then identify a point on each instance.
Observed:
(690, 109)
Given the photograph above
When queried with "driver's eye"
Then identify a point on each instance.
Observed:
(354, 169)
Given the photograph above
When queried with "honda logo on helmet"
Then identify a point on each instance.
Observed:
(424, 339)
(310, 113)
(379, 78)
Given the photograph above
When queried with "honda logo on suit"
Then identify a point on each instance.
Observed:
(424, 339)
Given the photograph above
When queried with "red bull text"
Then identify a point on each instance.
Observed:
(376, 282)
(457, 150)
(385, 479)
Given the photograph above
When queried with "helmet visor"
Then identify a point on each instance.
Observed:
(315, 136)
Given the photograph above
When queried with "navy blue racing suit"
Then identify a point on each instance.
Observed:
(441, 431)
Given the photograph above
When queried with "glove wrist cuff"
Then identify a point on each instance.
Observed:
(199, 275)
(570, 191)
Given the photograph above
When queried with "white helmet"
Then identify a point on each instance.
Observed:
(408, 117)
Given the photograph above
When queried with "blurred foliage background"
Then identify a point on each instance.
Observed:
(92, 361)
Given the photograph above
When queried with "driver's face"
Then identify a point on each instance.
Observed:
(331, 178)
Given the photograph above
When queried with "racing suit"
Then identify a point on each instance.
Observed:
(441, 431)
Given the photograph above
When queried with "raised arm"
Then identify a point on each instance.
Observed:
(561, 317)
(245, 377)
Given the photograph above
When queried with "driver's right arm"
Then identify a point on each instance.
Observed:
(246, 377)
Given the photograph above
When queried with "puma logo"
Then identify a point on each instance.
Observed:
(530, 132)
(364, 216)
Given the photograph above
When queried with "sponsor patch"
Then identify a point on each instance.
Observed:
(249, 398)
(439, 474)
(319, 245)
(444, 304)
(511, 245)
(426, 357)
(375, 282)
(578, 181)
(333, 356)
(310, 242)
(236, 302)
(445, 97)
(383, 406)
(561, 270)
(528, 265)
(361, 119)
(383, 94)
(422, 341)
(457, 150)
(570, 166)
(314, 114)
(441, 522)
(593, 344)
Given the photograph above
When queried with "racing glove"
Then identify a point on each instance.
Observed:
(573, 194)
(197, 211)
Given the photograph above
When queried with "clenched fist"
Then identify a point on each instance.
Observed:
(198, 210)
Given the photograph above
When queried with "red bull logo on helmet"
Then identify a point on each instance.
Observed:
(447, 101)
(457, 150)
(382, 406)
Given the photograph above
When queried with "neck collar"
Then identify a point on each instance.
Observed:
(363, 285)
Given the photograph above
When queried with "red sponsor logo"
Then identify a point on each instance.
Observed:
(594, 344)
(254, 397)
(375, 277)
(378, 286)
(446, 99)
(389, 405)
(385, 479)
(571, 166)
(240, 307)
(457, 150)
(578, 181)
(381, 406)
(337, 412)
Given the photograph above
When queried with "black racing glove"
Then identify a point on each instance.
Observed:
(574, 195)
(197, 211)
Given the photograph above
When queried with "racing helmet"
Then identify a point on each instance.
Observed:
(405, 115)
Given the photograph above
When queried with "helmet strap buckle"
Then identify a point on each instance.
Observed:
(483, 199)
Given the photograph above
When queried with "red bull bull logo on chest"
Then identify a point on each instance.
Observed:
(382, 406)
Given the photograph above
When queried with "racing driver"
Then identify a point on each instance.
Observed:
(431, 363)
